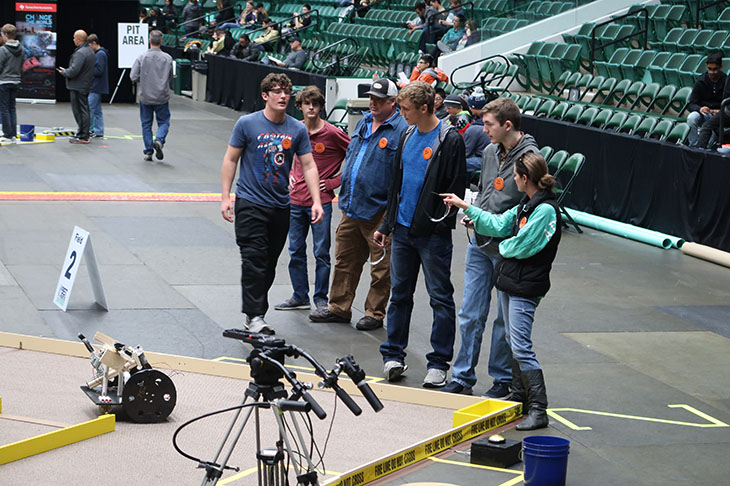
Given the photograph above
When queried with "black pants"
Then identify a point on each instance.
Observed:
(712, 125)
(80, 110)
(261, 234)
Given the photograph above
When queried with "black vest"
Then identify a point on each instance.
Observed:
(530, 277)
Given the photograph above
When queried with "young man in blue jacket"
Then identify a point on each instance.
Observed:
(366, 175)
(99, 86)
(431, 159)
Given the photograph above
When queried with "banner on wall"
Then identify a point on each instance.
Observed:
(36, 24)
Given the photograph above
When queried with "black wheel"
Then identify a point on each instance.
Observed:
(149, 396)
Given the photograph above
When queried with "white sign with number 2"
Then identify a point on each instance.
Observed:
(80, 243)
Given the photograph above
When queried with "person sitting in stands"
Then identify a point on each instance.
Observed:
(426, 72)
(296, 58)
(304, 19)
(474, 137)
(269, 34)
(225, 13)
(459, 116)
(438, 104)
(452, 37)
(706, 97)
(247, 14)
(222, 43)
(260, 15)
(169, 12)
(190, 15)
(246, 50)
(156, 20)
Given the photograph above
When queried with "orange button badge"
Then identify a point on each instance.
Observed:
(499, 183)
(523, 222)
(383, 142)
(427, 153)
(286, 143)
(319, 148)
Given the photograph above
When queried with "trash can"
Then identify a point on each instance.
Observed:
(355, 109)
(200, 80)
(183, 80)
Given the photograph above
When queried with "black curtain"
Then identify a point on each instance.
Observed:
(99, 17)
(657, 185)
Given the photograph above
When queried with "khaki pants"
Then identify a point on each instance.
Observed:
(353, 245)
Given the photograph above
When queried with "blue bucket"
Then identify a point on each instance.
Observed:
(546, 460)
(27, 133)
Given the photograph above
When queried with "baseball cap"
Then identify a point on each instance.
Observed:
(477, 100)
(383, 88)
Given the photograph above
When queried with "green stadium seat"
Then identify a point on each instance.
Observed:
(678, 134)
(601, 118)
(645, 127)
(658, 62)
(556, 161)
(636, 70)
(559, 111)
(630, 123)
(659, 73)
(658, 21)
(617, 120)
(723, 21)
(645, 97)
(565, 176)
(546, 152)
(561, 82)
(588, 115)
(685, 41)
(605, 68)
(545, 108)
(604, 90)
(683, 75)
(532, 105)
(663, 98)
(669, 41)
(573, 113)
(661, 130)
(618, 93)
(592, 85)
(679, 101)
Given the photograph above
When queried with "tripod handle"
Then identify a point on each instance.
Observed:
(321, 414)
(347, 400)
(370, 396)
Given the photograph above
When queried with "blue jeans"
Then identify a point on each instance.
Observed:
(8, 92)
(299, 224)
(433, 253)
(478, 282)
(519, 314)
(162, 113)
(97, 118)
(695, 121)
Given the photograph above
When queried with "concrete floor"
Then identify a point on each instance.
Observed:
(627, 331)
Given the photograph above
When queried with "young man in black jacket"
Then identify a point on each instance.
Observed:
(430, 159)
(712, 125)
(707, 94)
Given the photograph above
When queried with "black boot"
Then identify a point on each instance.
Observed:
(518, 391)
(537, 401)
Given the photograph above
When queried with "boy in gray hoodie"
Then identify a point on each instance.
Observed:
(11, 62)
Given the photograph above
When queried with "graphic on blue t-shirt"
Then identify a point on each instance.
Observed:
(267, 158)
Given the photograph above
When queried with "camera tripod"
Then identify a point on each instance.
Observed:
(267, 391)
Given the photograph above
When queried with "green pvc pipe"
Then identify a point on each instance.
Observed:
(626, 230)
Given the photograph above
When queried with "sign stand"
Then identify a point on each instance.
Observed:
(80, 242)
(124, 71)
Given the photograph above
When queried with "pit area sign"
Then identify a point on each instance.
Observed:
(132, 41)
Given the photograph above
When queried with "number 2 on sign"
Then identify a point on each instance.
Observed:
(73, 261)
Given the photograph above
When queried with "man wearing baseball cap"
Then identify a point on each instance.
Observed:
(366, 176)
(459, 116)
(474, 137)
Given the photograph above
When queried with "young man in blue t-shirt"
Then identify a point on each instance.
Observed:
(265, 142)
(430, 156)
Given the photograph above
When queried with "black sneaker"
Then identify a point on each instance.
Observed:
(455, 387)
(79, 140)
(157, 145)
(368, 323)
(326, 316)
(148, 157)
(499, 391)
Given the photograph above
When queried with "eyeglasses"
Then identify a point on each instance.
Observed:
(438, 220)
(373, 263)
(473, 241)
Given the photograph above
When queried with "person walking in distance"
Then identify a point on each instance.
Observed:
(79, 75)
(100, 85)
(329, 145)
(366, 176)
(152, 71)
(11, 64)
(264, 144)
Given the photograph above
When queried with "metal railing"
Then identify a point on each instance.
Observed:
(644, 31)
(699, 7)
(482, 79)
